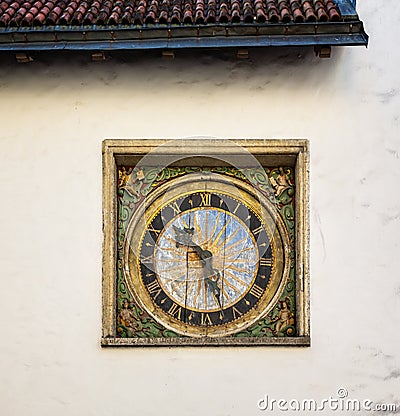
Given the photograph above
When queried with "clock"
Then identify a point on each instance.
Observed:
(204, 255)
(206, 244)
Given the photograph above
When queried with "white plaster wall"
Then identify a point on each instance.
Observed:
(54, 114)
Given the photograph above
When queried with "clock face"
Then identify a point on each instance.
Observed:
(205, 257)
(182, 269)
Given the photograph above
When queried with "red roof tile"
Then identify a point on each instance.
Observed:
(15, 13)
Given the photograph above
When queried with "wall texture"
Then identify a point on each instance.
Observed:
(54, 114)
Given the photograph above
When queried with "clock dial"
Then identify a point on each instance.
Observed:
(206, 259)
(180, 267)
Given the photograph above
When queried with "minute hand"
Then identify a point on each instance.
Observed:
(211, 275)
(184, 238)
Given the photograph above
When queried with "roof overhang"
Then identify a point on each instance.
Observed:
(107, 38)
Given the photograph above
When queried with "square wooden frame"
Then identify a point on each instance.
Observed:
(268, 152)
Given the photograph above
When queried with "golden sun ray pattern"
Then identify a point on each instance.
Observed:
(234, 259)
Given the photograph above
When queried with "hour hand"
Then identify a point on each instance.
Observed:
(183, 237)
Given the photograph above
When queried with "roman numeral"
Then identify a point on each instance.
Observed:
(146, 259)
(256, 291)
(205, 319)
(154, 289)
(154, 230)
(257, 230)
(265, 262)
(237, 207)
(175, 311)
(236, 313)
(174, 205)
(205, 200)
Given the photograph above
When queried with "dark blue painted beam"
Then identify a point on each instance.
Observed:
(182, 43)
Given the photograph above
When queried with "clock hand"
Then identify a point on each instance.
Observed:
(213, 284)
(209, 273)
(184, 237)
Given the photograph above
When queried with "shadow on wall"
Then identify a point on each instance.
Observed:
(295, 66)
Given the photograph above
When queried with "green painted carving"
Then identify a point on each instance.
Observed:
(134, 182)
(132, 322)
(281, 320)
(170, 173)
(133, 186)
(229, 171)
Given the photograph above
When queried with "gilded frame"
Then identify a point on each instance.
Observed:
(268, 152)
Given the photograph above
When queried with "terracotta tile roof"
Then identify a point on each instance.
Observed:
(37, 13)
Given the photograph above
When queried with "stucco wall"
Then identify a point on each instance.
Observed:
(54, 114)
